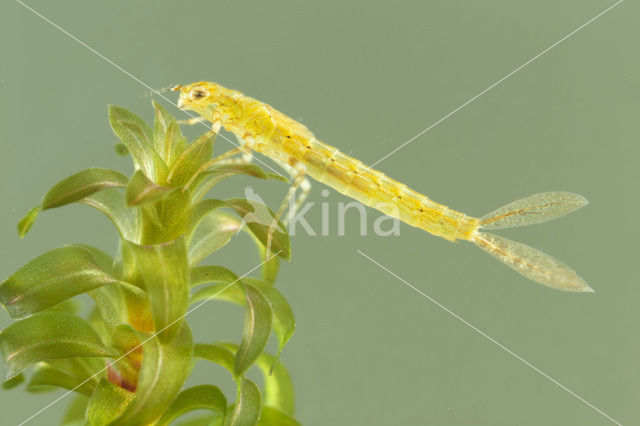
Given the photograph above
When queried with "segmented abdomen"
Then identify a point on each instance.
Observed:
(290, 141)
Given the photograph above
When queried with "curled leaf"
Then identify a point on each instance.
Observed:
(163, 269)
(212, 274)
(246, 410)
(257, 319)
(27, 221)
(107, 402)
(128, 344)
(169, 141)
(81, 185)
(213, 233)
(205, 397)
(217, 354)
(198, 213)
(195, 155)
(284, 323)
(273, 417)
(257, 327)
(16, 381)
(48, 335)
(135, 135)
(75, 414)
(165, 367)
(141, 190)
(271, 265)
(283, 319)
(259, 218)
(112, 204)
(207, 179)
(278, 387)
(50, 279)
(47, 378)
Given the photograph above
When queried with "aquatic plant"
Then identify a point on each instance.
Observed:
(128, 360)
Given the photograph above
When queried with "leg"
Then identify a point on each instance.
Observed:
(192, 121)
(297, 171)
(245, 147)
(305, 187)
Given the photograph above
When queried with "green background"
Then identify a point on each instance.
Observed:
(365, 77)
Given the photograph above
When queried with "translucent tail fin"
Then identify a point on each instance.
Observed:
(537, 208)
(526, 260)
(531, 263)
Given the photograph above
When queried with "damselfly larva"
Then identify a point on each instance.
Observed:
(289, 143)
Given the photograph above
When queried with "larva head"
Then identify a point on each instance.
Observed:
(198, 96)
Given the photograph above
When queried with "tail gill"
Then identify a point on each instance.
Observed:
(526, 260)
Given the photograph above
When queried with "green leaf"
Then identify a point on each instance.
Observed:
(50, 279)
(273, 417)
(48, 335)
(160, 125)
(112, 204)
(81, 185)
(206, 420)
(212, 274)
(207, 179)
(213, 233)
(165, 275)
(206, 397)
(215, 353)
(257, 328)
(198, 213)
(75, 414)
(121, 149)
(284, 323)
(165, 367)
(259, 218)
(103, 260)
(271, 265)
(47, 378)
(27, 221)
(70, 306)
(127, 342)
(135, 135)
(278, 387)
(166, 218)
(169, 141)
(16, 381)
(190, 160)
(115, 303)
(107, 403)
(257, 320)
(84, 368)
(246, 410)
(141, 190)
(231, 292)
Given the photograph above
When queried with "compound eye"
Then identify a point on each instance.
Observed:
(198, 93)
